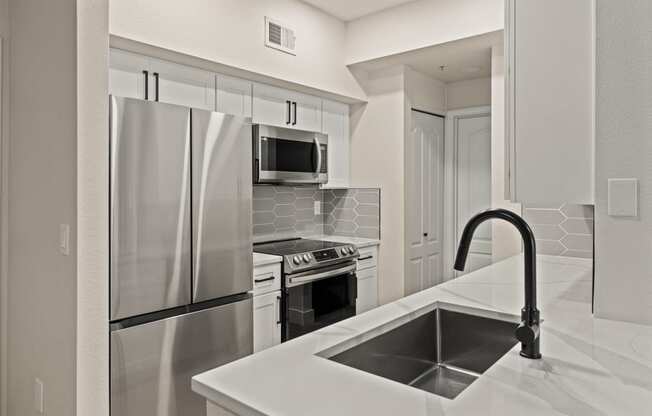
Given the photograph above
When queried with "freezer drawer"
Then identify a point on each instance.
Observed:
(150, 207)
(221, 203)
(152, 364)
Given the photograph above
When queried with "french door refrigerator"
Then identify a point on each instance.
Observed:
(180, 242)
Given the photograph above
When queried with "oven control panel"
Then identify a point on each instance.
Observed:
(324, 255)
(305, 261)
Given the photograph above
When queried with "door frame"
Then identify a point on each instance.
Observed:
(451, 132)
(406, 244)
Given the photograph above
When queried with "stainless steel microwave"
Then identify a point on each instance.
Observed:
(289, 156)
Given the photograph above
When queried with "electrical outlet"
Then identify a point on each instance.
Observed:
(317, 208)
(38, 395)
(64, 239)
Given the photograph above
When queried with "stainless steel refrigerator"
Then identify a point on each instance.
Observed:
(181, 266)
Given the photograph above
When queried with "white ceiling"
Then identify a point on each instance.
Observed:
(352, 9)
(464, 59)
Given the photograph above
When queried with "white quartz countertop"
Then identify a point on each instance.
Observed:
(589, 366)
(261, 259)
(356, 241)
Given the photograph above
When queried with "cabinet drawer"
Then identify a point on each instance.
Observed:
(267, 278)
(368, 257)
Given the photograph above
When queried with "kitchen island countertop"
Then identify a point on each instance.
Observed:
(590, 366)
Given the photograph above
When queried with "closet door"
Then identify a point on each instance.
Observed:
(473, 164)
(424, 204)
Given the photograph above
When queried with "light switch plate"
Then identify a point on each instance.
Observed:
(622, 197)
(64, 239)
(38, 396)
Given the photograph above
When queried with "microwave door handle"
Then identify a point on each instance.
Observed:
(318, 149)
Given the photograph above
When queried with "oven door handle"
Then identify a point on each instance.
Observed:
(318, 148)
(294, 281)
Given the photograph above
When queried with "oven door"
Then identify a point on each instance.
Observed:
(289, 156)
(318, 298)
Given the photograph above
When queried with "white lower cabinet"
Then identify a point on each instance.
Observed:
(367, 290)
(267, 306)
(367, 275)
(267, 320)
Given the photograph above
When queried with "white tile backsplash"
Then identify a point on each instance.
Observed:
(562, 231)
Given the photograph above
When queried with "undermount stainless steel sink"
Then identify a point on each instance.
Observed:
(442, 351)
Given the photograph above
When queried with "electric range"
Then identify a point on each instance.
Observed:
(318, 285)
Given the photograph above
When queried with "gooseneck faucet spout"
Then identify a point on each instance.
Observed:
(528, 331)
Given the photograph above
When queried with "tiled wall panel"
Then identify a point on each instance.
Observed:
(352, 212)
(288, 211)
(562, 231)
(282, 211)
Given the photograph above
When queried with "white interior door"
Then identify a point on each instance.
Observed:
(473, 165)
(424, 202)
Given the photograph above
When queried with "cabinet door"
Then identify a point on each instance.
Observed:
(285, 108)
(367, 290)
(126, 76)
(233, 96)
(183, 85)
(271, 106)
(550, 105)
(267, 320)
(335, 118)
(308, 112)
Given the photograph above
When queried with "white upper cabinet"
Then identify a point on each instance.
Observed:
(182, 85)
(128, 74)
(550, 100)
(336, 125)
(137, 76)
(284, 108)
(233, 96)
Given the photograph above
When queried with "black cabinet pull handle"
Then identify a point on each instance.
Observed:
(278, 322)
(267, 279)
(365, 258)
(425, 234)
(156, 84)
(146, 73)
(294, 106)
(289, 120)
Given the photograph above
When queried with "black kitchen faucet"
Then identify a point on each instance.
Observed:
(528, 331)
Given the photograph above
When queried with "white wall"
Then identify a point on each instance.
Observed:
(424, 93)
(42, 195)
(57, 113)
(468, 93)
(623, 265)
(92, 208)
(377, 131)
(506, 240)
(231, 32)
(420, 24)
